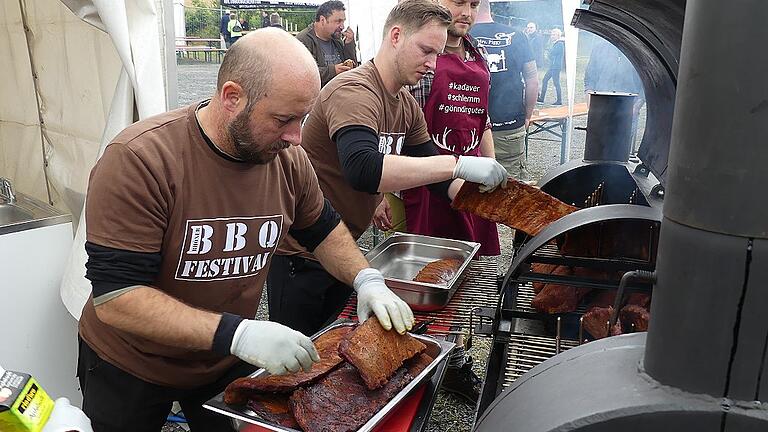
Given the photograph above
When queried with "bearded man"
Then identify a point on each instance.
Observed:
(185, 211)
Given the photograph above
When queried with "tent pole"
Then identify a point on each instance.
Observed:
(36, 83)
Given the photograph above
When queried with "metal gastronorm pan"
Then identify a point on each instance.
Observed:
(401, 256)
(438, 349)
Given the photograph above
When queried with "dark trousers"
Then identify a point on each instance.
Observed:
(302, 295)
(117, 401)
(554, 75)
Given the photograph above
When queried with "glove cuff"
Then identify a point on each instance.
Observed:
(225, 333)
(456, 171)
(365, 276)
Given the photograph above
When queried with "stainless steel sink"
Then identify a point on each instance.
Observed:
(11, 214)
(20, 212)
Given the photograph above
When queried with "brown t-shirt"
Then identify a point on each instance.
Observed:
(159, 187)
(356, 98)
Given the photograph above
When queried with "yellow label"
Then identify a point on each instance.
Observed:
(29, 412)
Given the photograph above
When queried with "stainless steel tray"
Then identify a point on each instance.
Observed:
(401, 256)
(438, 349)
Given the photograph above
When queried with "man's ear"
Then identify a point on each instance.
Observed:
(232, 96)
(396, 35)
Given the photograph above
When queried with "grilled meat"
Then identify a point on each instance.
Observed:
(273, 408)
(342, 402)
(327, 345)
(439, 272)
(543, 269)
(634, 317)
(518, 206)
(377, 353)
(595, 321)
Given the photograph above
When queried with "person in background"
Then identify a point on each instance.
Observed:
(332, 47)
(536, 42)
(264, 19)
(245, 25)
(366, 135)
(224, 29)
(556, 62)
(235, 31)
(514, 88)
(461, 81)
(275, 20)
(185, 212)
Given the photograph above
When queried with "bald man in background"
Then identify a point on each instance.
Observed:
(185, 211)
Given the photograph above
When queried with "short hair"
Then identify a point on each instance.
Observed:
(328, 8)
(247, 67)
(415, 14)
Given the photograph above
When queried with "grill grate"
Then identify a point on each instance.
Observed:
(479, 289)
(526, 351)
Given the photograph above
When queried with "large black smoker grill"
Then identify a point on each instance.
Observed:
(700, 366)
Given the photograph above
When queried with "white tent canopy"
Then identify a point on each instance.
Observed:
(82, 71)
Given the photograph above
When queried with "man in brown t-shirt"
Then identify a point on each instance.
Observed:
(366, 135)
(185, 211)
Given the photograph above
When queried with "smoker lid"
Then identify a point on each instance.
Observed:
(649, 33)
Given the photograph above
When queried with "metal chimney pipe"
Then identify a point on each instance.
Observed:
(609, 126)
(708, 331)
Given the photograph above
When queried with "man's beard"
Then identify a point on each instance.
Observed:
(454, 32)
(245, 145)
(402, 74)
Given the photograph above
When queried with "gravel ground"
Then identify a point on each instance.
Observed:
(198, 81)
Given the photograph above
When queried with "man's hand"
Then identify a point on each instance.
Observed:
(348, 36)
(527, 123)
(66, 418)
(341, 67)
(382, 217)
(374, 296)
(483, 170)
(273, 346)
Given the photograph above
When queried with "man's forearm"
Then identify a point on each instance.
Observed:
(486, 144)
(404, 172)
(154, 315)
(531, 78)
(531, 94)
(340, 256)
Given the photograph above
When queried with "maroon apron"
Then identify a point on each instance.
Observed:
(456, 113)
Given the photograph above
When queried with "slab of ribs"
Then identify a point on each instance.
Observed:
(327, 346)
(342, 401)
(336, 395)
(439, 272)
(520, 206)
(377, 353)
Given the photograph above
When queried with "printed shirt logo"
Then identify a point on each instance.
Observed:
(228, 248)
(389, 141)
(496, 57)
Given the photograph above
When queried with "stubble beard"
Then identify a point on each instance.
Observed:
(244, 143)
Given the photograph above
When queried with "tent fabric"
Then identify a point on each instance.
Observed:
(367, 18)
(76, 69)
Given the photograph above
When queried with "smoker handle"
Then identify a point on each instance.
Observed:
(640, 275)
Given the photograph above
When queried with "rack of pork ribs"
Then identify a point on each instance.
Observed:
(528, 209)
(360, 370)
(553, 298)
(440, 272)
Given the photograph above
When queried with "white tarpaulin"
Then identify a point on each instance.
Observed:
(137, 29)
(98, 65)
(367, 18)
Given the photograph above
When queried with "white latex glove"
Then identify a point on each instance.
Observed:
(273, 346)
(65, 418)
(374, 296)
(483, 170)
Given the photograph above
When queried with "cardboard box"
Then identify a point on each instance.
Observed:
(24, 405)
